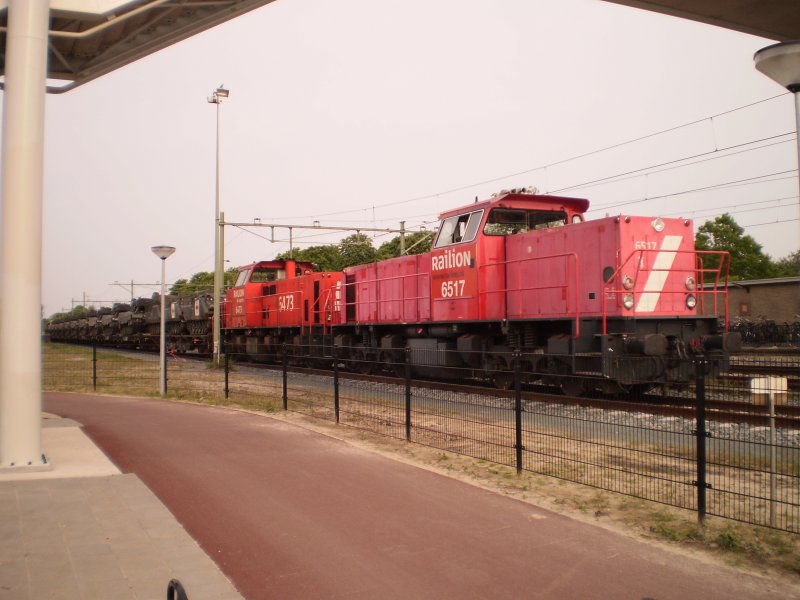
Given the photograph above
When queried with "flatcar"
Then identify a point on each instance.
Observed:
(138, 324)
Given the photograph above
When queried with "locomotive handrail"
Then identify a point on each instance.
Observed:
(328, 313)
(725, 258)
(520, 289)
(698, 269)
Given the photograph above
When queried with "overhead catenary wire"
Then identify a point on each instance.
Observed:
(680, 163)
(369, 212)
(548, 165)
(699, 189)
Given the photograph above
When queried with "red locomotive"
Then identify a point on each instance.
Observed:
(613, 303)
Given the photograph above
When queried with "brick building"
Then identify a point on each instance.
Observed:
(774, 299)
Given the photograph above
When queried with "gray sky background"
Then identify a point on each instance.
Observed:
(365, 113)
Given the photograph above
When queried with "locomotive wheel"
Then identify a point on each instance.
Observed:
(399, 369)
(499, 373)
(503, 380)
(362, 363)
(572, 386)
(635, 389)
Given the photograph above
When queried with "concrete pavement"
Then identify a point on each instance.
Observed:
(83, 530)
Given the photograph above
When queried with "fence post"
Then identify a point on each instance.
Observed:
(407, 357)
(701, 433)
(94, 366)
(336, 384)
(518, 408)
(285, 369)
(227, 371)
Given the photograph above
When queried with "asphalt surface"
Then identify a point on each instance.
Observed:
(288, 513)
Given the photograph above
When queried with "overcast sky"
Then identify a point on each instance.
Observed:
(365, 113)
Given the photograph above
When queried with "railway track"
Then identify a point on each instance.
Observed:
(786, 416)
(737, 412)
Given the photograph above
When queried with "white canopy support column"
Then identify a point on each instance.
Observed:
(21, 266)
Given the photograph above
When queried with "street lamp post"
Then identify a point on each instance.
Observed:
(216, 98)
(163, 252)
(781, 63)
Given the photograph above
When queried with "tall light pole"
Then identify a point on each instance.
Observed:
(216, 98)
(163, 252)
(781, 63)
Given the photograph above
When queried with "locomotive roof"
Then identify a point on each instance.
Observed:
(277, 264)
(519, 200)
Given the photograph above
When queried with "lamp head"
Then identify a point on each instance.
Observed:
(163, 252)
(781, 63)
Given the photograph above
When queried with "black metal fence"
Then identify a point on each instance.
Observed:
(725, 444)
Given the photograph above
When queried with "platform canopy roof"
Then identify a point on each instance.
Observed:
(773, 19)
(89, 38)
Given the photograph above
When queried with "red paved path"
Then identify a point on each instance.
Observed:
(290, 514)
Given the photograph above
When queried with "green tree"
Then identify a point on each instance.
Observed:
(748, 260)
(357, 249)
(417, 242)
(202, 282)
(788, 266)
(326, 258)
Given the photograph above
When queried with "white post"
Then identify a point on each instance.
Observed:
(21, 267)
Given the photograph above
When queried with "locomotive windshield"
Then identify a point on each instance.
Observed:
(508, 221)
(242, 277)
(457, 229)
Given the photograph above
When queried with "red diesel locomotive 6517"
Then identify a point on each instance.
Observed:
(616, 303)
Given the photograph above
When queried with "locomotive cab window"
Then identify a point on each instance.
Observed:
(242, 278)
(263, 275)
(510, 221)
(459, 228)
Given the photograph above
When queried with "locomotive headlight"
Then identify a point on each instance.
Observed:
(658, 224)
(691, 284)
(627, 301)
(627, 282)
(691, 301)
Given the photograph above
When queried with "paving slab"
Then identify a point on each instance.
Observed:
(84, 530)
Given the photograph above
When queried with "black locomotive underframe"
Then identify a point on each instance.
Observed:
(632, 351)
